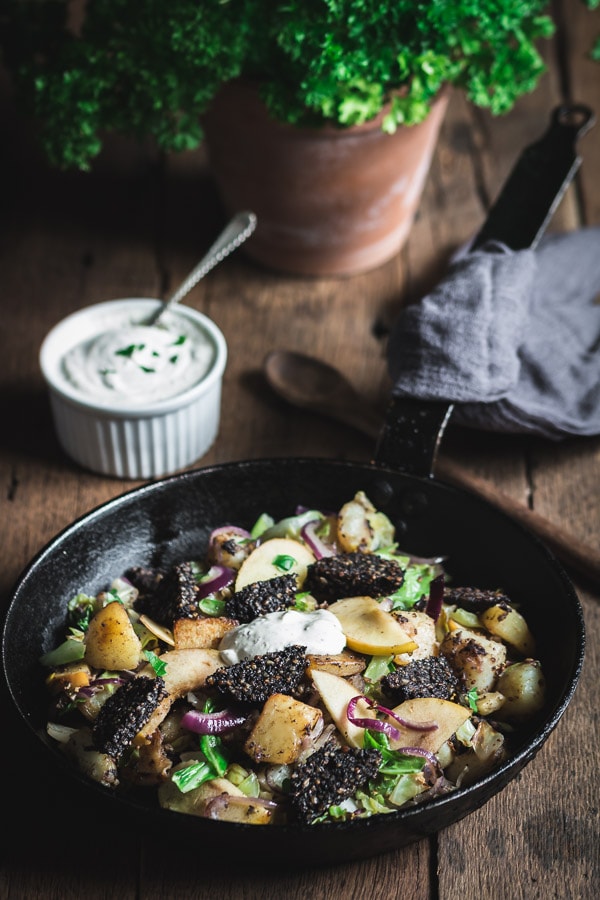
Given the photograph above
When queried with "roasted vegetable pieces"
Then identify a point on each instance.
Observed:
(304, 671)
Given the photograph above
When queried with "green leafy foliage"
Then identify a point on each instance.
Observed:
(152, 67)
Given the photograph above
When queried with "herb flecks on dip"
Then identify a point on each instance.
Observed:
(134, 363)
(186, 682)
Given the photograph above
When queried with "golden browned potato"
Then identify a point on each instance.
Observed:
(361, 527)
(216, 799)
(98, 766)
(111, 642)
(246, 811)
(476, 658)
(486, 753)
(282, 729)
(194, 802)
(420, 627)
(510, 626)
(524, 688)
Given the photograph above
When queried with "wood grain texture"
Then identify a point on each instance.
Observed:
(136, 226)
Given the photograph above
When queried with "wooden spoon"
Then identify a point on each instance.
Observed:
(311, 384)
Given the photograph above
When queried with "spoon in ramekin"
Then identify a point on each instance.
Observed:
(235, 233)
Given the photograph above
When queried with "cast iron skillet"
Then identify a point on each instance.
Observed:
(170, 521)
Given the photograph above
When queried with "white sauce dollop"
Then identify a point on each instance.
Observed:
(319, 631)
(136, 362)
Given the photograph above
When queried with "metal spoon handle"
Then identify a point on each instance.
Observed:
(235, 233)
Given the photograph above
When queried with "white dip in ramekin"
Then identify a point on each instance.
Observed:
(132, 400)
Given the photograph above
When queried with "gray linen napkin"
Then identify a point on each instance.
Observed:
(511, 337)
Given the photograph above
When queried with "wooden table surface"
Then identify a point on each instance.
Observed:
(134, 227)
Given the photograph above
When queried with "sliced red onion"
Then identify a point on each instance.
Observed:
(309, 535)
(436, 596)
(374, 725)
(229, 545)
(418, 751)
(212, 723)
(384, 727)
(414, 726)
(217, 578)
(232, 530)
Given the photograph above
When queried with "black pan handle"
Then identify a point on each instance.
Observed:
(537, 183)
(412, 430)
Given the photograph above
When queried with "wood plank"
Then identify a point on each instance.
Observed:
(402, 874)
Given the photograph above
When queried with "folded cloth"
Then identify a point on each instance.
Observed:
(511, 337)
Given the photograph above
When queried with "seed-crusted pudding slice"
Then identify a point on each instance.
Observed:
(353, 575)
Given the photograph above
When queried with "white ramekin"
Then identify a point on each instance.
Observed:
(141, 440)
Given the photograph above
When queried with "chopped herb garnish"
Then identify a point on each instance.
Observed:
(130, 350)
(212, 748)
(284, 562)
(210, 606)
(157, 664)
(472, 699)
(180, 340)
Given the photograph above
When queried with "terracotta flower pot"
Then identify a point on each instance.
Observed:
(329, 201)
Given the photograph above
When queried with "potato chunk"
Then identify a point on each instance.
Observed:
(111, 642)
(510, 626)
(281, 730)
(361, 527)
(524, 688)
(194, 802)
(246, 810)
(477, 659)
(420, 627)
